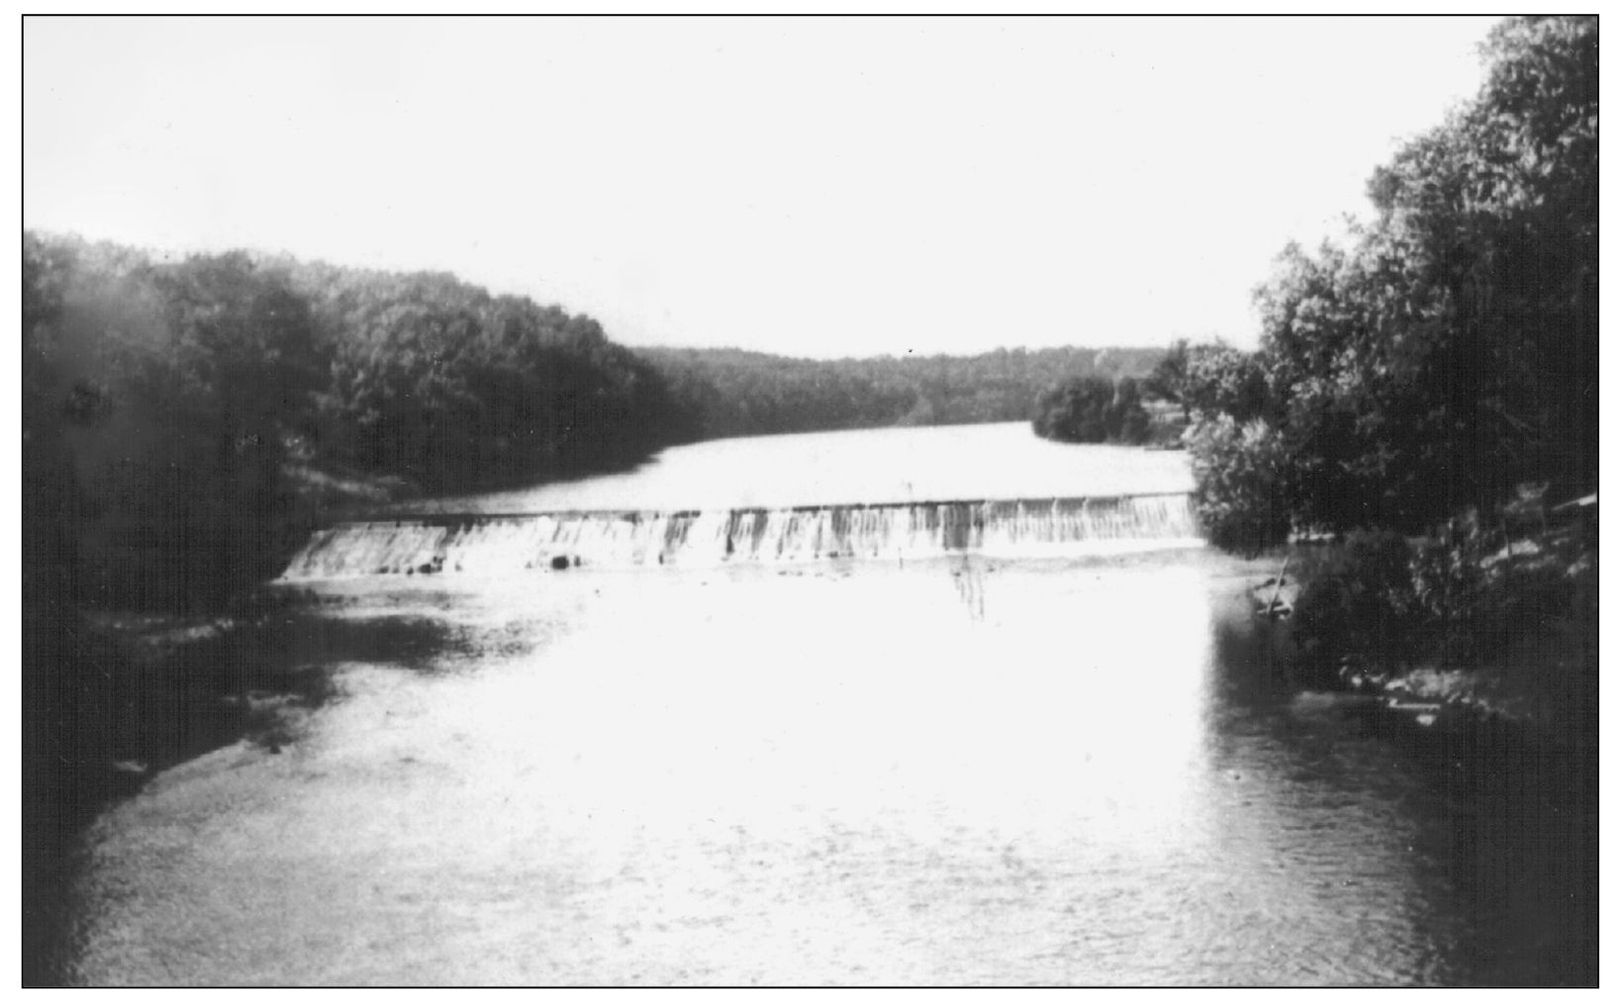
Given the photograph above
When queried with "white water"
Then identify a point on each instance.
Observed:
(882, 494)
(493, 546)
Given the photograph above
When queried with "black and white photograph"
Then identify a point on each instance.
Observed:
(746, 501)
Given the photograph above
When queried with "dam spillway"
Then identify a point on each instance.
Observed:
(494, 544)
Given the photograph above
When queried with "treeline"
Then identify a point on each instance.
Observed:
(728, 392)
(179, 415)
(1442, 357)
(184, 419)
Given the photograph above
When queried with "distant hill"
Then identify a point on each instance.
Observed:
(729, 392)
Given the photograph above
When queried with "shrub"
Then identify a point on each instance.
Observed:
(1448, 570)
(1453, 598)
(1358, 600)
(1241, 482)
(1479, 602)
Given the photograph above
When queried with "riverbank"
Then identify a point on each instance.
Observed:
(1510, 732)
(148, 691)
(1517, 645)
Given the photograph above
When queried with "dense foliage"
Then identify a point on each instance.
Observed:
(171, 409)
(441, 381)
(1447, 352)
(1092, 409)
(1464, 594)
(1212, 379)
(1242, 473)
(726, 392)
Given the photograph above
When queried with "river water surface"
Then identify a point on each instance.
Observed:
(964, 769)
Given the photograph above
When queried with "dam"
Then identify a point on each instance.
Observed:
(494, 544)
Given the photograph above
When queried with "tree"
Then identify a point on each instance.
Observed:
(1220, 379)
(1243, 482)
(1447, 352)
(1092, 409)
(1169, 381)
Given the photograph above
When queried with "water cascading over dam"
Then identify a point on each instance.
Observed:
(493, 544)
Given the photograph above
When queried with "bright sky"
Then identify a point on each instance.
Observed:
(812, 187)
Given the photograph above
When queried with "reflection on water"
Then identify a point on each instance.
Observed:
(966, 771)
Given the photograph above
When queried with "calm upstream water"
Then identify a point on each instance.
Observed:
(949, 769)
(946, 463)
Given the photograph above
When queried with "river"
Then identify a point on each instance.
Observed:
(1063, 764)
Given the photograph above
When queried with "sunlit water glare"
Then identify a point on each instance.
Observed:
(954, 770)
(882, 774)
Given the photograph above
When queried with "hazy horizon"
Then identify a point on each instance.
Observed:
(812, 188)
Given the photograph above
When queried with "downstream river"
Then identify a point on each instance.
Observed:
(1073, 767)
